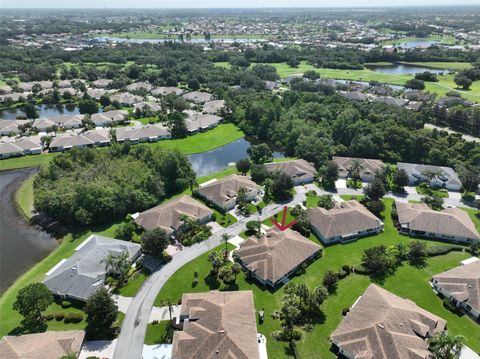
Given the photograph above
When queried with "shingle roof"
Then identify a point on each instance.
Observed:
(147, 131)
(276, 253)
(46, 345)
(84, 272)
(67, 119)
(463, 283)
(166, 90)
(369, 166)
(213, 106)
(198, 97)
(139, 85)
(450, 221)
(109, 117)
(382, 325)
(345, 218)
(223, 190)
(221, 325)
(167, 215)
(197, 121)
(297, 169)
(414, 170)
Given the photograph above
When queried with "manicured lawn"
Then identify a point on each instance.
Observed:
(312, 201)
(443, 39)
(315, 344)
(474, 215)
(457, 66)
(24, 197)
(205, 141)
(159, 333)
(429, 191)
(278, 217)
(134, 284)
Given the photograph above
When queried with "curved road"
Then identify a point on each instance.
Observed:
(131, 339)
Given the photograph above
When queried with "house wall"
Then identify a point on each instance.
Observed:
(462, 305)
(301, 180)
(351, 237)
(443, 237)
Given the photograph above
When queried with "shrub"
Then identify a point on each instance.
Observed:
(67, 318)
(439, 250)
(361, 269)
(59, 316)
(347, 268)
(345, 311)
(155, 322)
(449, 305)
(66, 304)
(166, 257)
(76, 317)
(49, 316)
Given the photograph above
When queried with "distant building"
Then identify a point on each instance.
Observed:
(218, 325)
(162, 91)
(451, 224)
(92, 138)
(446, 177)
(199, 122)
(382, 325)
(20, 147)
(109, 118)
(101, 83)
(148, 133)
(223, 193)
(167, 216)
(213, 107)
(345, 222)
(139, 86)
(198, 97)
(67, 121)
(276, 255)
(48, 345)
(461, 285)
(368, 167)
(299, 170)
(79, 276)
(8, 127)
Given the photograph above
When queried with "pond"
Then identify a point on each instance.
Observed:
(191, 41)
(403, 69)
(43, 111)
(21, 245)
(206, 163)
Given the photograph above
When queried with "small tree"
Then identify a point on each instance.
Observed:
(217, 261)
(329, 174)
(254, 226)
(282, 186)
(126, 231)
(434, 202)
(102, 313)
(118, 265)
(446, 346)
(260, 153)
(243, 166)
(417, 253)
(375, 190)
(463, 81)
(400, 179)
(379, 261)
(154, 242)
(242, 200)
(30, 302)
(330, 280)
(88, 106)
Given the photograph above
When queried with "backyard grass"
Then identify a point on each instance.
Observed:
(474, 215)
(159, 333)
(24, 197)
(456, 66)
(312, 200)
(201, 142)
(408, 282)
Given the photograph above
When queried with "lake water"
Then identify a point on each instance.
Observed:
(191, 41)
(206, 163)
(43, 111)
(402, 69)
(21, 245)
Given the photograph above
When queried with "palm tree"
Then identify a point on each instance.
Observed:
(355, 168)
(446, 346)
(225, 238)
(117, 264)
(267, 185)
(192, 183)
(236, 269)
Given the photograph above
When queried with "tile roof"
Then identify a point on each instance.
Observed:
(148, 131)
(463, 283)
(415, 170)
(369, 166)
(46, 345)
(297, 169)
(220, 325)
(275, 254)
(450, 221)
(382, 325)
(213, 106)
(345, 218)
(166, 90)
(167, 215)
(198, 96)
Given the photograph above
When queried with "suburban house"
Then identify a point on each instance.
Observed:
(199, 122)
(162, 91)
(8, 127)
(168, 215)
(148, 106)
(92, 138)
(148, 133)
(461, 285)
(101, 83)
(213, 107)
(345, 222)
(443, 177)
(68, 121)
(368, 167)
(108, 118)
(382, 325)
(223, 193)
(126, 98)
(139, 86)
(450, 224)
(299, 170)
(9, 149)
(198, 97)
(273, 257)
(20, 147)
(47, 345)
(42, 124)
(79, 276)
(96, 93)
(216, 325)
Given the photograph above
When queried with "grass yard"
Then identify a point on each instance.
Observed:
(443, 39)
(201, 142)
(429, 191)
(474, 215)
(312, 200)
(159, 333)
(24, 197)
(408, 282)
(456, 66)
(134, 284)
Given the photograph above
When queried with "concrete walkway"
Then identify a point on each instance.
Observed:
(162, 313)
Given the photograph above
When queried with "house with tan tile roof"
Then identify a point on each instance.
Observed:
(273, 257)
(461, 285)
(161, 91)
(367, 171)
(167, 216)
(450, 224)
(213, 107)
(381, 325)
(46, 345)
(223, 193)
(345, 222)
(216, 324)
(198, 97)
(299, 170)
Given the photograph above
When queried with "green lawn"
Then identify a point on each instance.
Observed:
(159, 333)
(134, 284)
(24, 197)
(312, 201)
(201, 142)
(429, 191)
(315, 343)
(456, 66)
(443, 39)
(474, 215)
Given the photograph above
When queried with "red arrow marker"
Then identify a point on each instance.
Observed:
(282, 226)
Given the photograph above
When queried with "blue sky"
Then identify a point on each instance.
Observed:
(221, 3)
